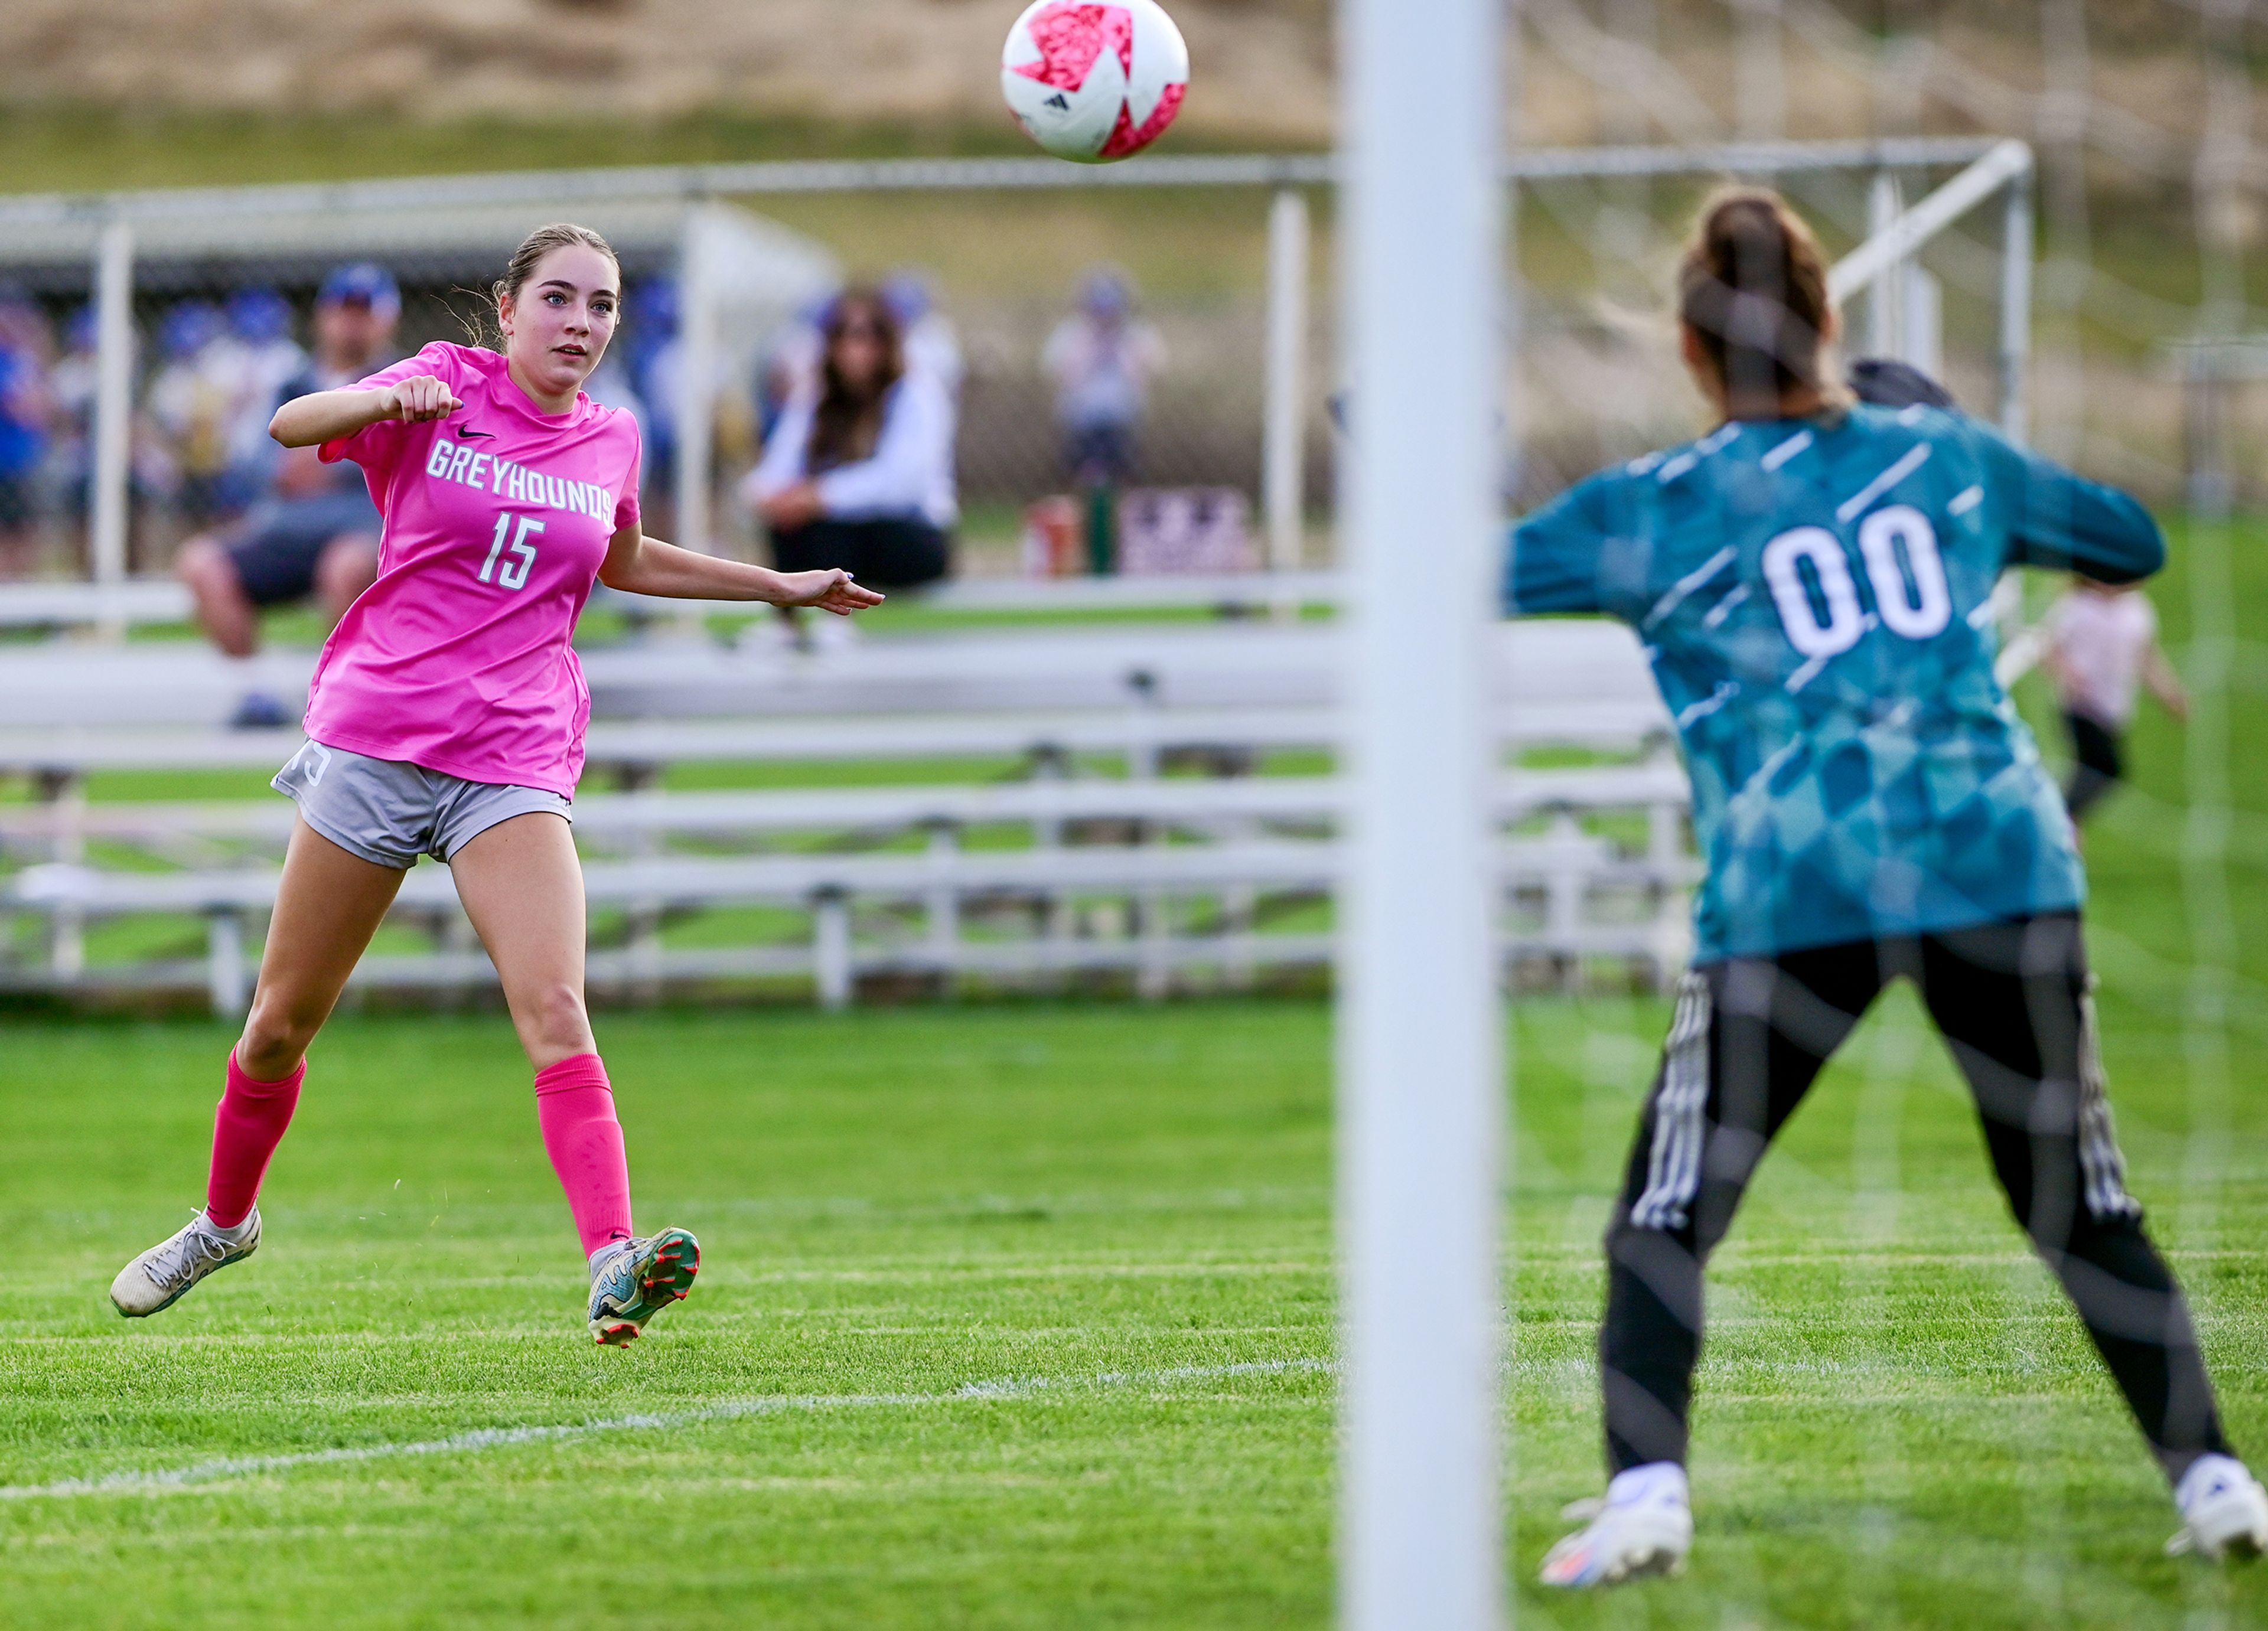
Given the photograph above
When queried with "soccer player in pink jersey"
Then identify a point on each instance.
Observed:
(447, 718)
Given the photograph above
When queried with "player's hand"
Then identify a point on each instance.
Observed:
(419, 399)
(829, 590)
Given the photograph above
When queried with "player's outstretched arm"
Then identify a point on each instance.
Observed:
(332, 415)
(2066, 522)
(1552, 561)
(639, 565)
(2165, 683)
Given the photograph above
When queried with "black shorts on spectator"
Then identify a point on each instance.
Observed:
(882, 552)
(2100, 763)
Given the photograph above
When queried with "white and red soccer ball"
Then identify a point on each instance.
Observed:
(1094, 82)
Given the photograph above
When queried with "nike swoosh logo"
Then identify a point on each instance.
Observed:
(470, 431)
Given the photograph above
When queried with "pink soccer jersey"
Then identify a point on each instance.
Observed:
(497, 519)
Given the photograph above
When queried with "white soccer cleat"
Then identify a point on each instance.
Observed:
(161, 1276)
(634, 1279)
(1645, 1526)
(2224, 1510)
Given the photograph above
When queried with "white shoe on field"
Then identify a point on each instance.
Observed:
(1645, 1526)
(161, 1276)
(2224, 1510)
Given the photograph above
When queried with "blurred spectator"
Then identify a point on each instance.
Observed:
(317, 534)
(71, 385)
(789, 369)
(932, 344)
(256, 358)
(655, 356)
(1102, 360)
(609, 386)
(858, 473)
(26, 411)
(183, 458)
(2102, 643)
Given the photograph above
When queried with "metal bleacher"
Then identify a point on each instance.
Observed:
(1156, 802)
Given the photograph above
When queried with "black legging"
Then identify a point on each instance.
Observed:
(1749, 1038)
(884, 552)
(2101, 765)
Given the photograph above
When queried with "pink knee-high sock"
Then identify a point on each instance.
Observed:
(576, 1106)
(246, 1128)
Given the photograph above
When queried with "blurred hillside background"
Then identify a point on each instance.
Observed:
(1590, 72)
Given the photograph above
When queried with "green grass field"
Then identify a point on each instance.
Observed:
(1087, 1216)
(1021, 1315)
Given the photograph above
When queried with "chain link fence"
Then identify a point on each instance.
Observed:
(1184, 307)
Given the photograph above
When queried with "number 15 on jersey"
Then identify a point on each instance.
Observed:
(514, 575)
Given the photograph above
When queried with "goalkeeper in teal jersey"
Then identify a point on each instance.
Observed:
(1812, 583)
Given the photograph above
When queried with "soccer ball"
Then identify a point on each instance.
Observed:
(1092, 83)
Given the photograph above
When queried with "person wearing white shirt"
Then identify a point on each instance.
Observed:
(859, 474)
(2102, 646)
(1102, 360)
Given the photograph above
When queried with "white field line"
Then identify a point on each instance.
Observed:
(229, 1467)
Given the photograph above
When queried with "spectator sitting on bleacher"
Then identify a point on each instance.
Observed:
(182, 459)
(788, 366)
(70, 391)
(1103, 359)
(257, 359)
(859, 474)
(656, 355)
(26, 417)
(318, 533)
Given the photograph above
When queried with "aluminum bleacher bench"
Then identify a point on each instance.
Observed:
(140, 602)
(1055, 702)
(206, 837)
(936, 881)
(136, 603)
(33, 831)
(181, 684)
(60, 755)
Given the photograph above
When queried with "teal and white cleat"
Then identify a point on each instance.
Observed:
(1645, 1526)
(636, 1280)
(2224, 1510)
(162, 1276)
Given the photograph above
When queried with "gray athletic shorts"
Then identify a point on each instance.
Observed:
(389, 813)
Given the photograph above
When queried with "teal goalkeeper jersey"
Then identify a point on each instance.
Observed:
(1812, 597)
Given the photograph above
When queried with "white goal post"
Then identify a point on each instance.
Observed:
(1420, 1119)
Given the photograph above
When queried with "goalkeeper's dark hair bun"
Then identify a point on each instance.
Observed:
(1753, 288)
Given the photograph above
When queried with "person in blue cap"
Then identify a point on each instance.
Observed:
(184, 447)
(657, 358)
(26, 417)
(316, 534)
(258, 358)
(1813, 580)
(1103, 359)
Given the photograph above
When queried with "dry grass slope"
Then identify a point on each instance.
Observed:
(1267, 67)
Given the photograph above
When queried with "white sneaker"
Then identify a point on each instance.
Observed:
(1645, 1526)
(161, 1276)
(2224, 1510)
